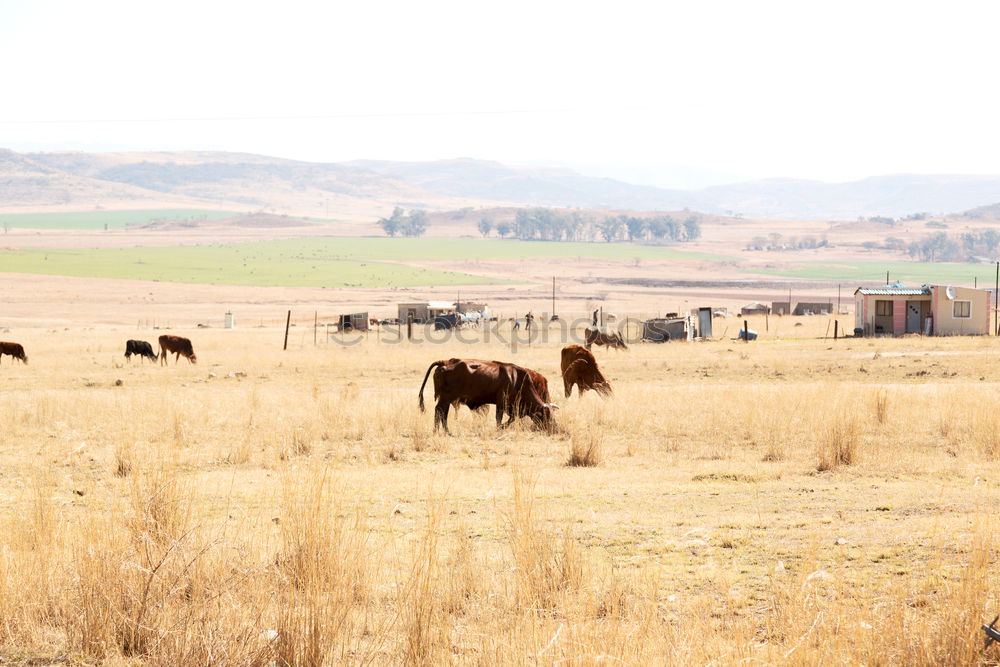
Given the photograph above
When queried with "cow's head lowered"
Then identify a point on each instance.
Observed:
(524, 401)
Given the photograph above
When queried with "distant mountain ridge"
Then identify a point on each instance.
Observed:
(369, 188)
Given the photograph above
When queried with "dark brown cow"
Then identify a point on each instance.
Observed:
(13, 349)
(179, 346)
(516, 391)
(580, 368)
(141, 348)
(609, 337)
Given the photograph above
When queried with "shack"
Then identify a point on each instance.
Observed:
(471, 307)
(703, 316)
(801, 307)
(663, 329)
(424, 311)
(932, 310)
(755, 308)
(352, 321)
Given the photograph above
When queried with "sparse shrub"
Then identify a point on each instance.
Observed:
(131, 573)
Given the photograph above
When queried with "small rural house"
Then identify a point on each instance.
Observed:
(355, 321)
(801, 308)
(933, 310)
(424, 311)
(755, 308)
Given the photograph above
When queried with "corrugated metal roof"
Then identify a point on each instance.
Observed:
(894, 291)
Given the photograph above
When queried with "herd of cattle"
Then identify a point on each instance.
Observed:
(514, 390)
(180, 346)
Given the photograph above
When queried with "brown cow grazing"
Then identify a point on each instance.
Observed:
(580, 368)
(516, 391)
(13, 349)
(609, 337)
(179, 346)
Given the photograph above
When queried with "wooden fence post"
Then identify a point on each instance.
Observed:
(288, 323)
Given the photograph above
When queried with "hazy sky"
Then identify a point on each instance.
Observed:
(684, 93)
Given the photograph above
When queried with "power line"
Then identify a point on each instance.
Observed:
(228, 119)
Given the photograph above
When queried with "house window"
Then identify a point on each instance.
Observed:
(962, 309)
(883, 308)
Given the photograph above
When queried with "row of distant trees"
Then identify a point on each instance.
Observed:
(775, 241)
(941, 247)
(548, 224)
(886, 220)
(413, 223)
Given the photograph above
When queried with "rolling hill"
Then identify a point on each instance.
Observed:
(366, 189)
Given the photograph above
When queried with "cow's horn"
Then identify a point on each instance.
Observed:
(552, 406)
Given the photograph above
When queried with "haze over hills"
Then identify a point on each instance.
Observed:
(367, 189)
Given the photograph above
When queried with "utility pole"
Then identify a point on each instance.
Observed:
(996, 295)
(553, 297)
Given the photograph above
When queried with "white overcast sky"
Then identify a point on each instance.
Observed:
(676, 93)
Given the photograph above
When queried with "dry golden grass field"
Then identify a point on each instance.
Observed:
(792, 501)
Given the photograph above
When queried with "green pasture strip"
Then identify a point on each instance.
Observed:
(410, 249)
(113, 219)
(911, 273)
(253, 264)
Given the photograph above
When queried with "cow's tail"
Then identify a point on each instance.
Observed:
(426, 375)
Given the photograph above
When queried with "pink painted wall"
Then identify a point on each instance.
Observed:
(899, 316)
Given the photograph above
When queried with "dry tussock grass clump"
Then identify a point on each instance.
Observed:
(985, 431)
(585, 451)
(323, 566)
(547, 565)
(839, 444)
(151, 584)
